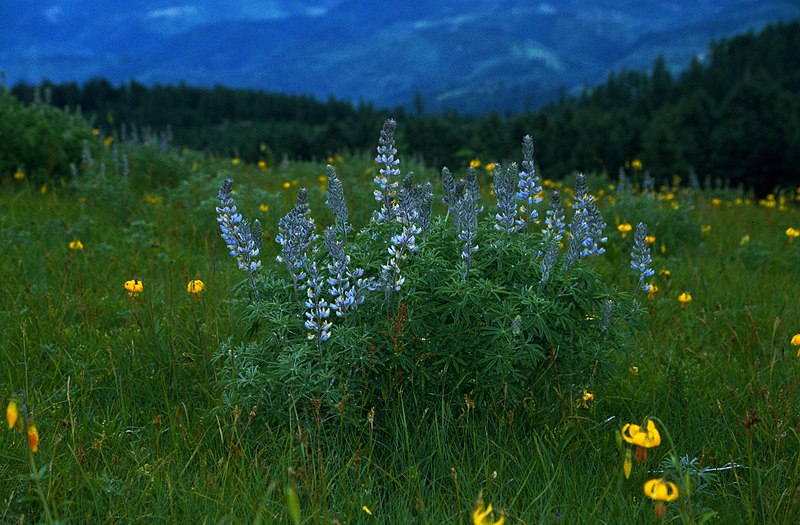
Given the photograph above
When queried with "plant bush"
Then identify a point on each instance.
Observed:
(464, 311)
(39, 141)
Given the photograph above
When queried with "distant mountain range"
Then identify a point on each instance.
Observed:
(471, 56)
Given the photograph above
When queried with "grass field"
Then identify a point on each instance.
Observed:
(128, 400)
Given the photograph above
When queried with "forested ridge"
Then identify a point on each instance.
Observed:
(733, 115)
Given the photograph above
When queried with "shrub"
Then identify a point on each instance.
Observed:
(456, 312)
(39, 140)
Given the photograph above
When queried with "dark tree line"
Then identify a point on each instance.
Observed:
(734, 116)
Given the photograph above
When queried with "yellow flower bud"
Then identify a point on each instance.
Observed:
(12, 413)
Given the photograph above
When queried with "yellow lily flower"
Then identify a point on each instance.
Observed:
(482, 516)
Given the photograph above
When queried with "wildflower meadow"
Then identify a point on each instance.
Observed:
(190, 338)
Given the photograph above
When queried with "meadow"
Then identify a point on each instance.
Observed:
(139, 416)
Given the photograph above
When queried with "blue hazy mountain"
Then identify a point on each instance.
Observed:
(468, 55)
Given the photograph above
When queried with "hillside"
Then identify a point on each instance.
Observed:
(498, 55)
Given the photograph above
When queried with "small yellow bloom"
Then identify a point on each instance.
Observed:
(650, 239)
(262, 165)
(627, 464)
(715, 202)
(483, 516)
(150, 198)
(661, 490)
(95, 132)
(791, 233)
(236, 161)
(475, 163)
(108, 141)
(666, 274)
(624, 228)
(322, 179)
(75, 245)
(636, 164)
(685, 298)
(706, 229)
(585, 399)
(490, 167)
(635, 435)
(633, 370)
(195, 287)
(134, 287)
(330, 160)
(43, 189)
(19, 175)
(33, 437)
(796, 342)
(652, 291)
(366, 509)
(744, 240)
(287, 185)
(264, 208)
(12, 413)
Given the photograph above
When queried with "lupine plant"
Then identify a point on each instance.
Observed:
(640, 257)
(238, 233)
(530, 191)
(520, 319)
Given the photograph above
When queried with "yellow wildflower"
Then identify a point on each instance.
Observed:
(796, 342)
(624, 228)
(262, 165)
(661, 490)
(475, 163)
(706, 228)
(134, 287)
(236, 161)
(483, 516)
(585, 399)
(33, 437)
(322, 179)
(264, 207)
(287, 185)
(19, 175)
(195, 287)
(75, 245)
(744, 240)
(685, 298)
(490, 167)
(636, 435)
(366, 509)
(12, 413)
(95, 132)
(716, 201)
(643, 439)
(108, 141)
(636, 164)
(650, 239)
(791, 233)
(652, 290)
(150, 198)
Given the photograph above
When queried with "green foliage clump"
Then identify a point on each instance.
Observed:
(39, 140)
(493, 334)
